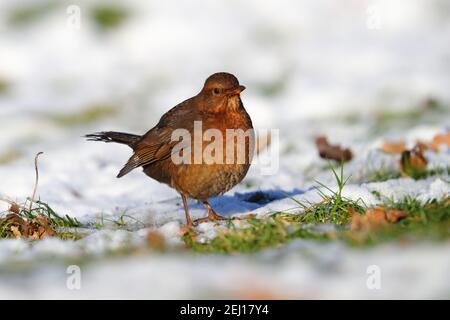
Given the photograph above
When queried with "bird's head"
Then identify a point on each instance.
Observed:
(221, 92)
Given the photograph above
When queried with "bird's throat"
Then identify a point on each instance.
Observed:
(233, 103)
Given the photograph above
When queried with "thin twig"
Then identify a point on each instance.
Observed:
(36, 180)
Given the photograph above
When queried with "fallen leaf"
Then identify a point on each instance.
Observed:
(35, 229)
(156, 240)
(374, 218)
(440, 139)
(14, 208)
(422, 146)
(15, 231)
(34, 236)
(393, 147)
(413, 163)
(395, 215)
(332, 152)
(42, 227)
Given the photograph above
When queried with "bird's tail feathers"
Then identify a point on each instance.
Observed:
(111, 136)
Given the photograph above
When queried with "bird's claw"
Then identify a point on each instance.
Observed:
(217, 217)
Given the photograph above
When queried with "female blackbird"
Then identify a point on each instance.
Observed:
(218, 106)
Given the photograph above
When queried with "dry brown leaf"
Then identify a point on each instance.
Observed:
(374, 218)
(156, 240)
(14, 218)
(395, 215)
(34, 236)
(393, 147)
(332, 152)
(400, 146)
(413, 163)
(42, 227)
(356, 222)
(16, 232)
(38, 228)
(42, 220)
(422, 146)
(440, 139)
(14, 208)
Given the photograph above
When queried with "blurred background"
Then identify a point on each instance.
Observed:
(358, 71)
(67, 67)
(132, 60)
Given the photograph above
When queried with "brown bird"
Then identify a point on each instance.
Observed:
(217, 106)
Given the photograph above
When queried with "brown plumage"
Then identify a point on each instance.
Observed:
(218, 106)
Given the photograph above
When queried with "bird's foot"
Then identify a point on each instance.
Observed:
(244, 217)
(211, 217)
(217, 217)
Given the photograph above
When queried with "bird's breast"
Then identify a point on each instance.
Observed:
(222, 161)
(219, 155)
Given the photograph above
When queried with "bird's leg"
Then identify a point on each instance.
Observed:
(186, 211)
(212, 215)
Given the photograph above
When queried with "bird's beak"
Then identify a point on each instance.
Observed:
(235, 90)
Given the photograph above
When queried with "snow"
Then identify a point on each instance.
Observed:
(328, 65)
(425, 190)
(302, 269)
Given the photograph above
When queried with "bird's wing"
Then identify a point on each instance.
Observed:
(155, 147)
(157, 143)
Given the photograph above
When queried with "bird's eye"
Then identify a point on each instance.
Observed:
(216, 90)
